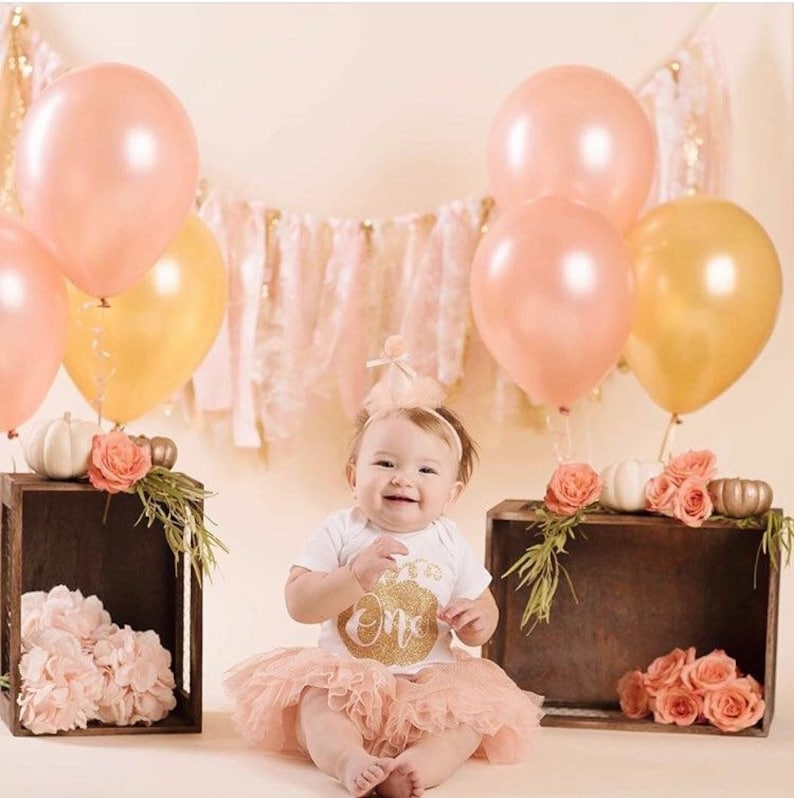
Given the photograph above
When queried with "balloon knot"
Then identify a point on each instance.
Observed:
(12, 433)
(103, 303)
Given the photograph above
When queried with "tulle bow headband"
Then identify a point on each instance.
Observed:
(403, 388)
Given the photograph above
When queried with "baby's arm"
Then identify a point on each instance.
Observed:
(317, 596)
(474, 621)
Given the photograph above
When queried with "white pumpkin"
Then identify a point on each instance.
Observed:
(59, 448)
(624, 484)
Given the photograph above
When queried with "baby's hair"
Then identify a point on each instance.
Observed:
(428, 421)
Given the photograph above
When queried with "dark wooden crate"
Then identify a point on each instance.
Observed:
(53, 533)
(645, 585)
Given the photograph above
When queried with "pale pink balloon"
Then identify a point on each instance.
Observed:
(34, 316)
(577, 133)
(106, 171)
(553, 297)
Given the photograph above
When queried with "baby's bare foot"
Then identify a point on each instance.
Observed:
(403, 782)
(360, 772)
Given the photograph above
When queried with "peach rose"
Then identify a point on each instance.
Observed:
(692, 503)
(710, 672)
(632, 695)
(700, 465)
(117, 462)
(735, 706)
(572, 486)
(666, 671)
(755, 687)
(677, 704)
(659, 494)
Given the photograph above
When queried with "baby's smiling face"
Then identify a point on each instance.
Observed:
(404, 477)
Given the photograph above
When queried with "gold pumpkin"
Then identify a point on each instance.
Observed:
(740, 498)
(162, 450)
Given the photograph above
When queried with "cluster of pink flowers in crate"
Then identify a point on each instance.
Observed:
(683, 689)
(78, 666)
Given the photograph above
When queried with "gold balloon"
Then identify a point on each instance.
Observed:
(151, 339)
(708, 295)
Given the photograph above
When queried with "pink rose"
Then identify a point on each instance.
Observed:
(677, 705)
(666, 671)
(692, 503)
(659, 494)
(117, 462)
(755, 687)
(632, 695)
(700, 465)
(572, 486)
(710, 672)
(735, 706)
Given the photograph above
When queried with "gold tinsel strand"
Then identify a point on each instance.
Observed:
(14, 99)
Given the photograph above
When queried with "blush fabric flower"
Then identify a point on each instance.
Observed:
(68, 610)
(660, 492)
(692, 504)
(677, 704)
(60, 684)
(117, 462)
(395, 347)
(572, 487)
(710, 672)
(735, 706)
(633, 697)
(700, 465)
(137, 678)
(666, 671)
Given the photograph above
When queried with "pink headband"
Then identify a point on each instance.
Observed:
(403, 388)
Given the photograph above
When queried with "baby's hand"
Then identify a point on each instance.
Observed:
(464, 616)
(375, 559)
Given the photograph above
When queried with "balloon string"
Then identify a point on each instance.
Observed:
(104, 363)
(666, 451)
(561, 435)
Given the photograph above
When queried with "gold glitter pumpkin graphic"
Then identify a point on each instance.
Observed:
(396, 622)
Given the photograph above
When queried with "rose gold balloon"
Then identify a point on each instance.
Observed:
(552, 292)
(577, 133)
(33, 322)
(107, 167)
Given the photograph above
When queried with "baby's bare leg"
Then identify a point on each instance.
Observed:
(429, 762)
(335, 745)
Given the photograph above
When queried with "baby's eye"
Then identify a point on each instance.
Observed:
(427, 470)
(384, 463)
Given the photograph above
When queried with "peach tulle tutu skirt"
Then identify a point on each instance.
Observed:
(391, 712)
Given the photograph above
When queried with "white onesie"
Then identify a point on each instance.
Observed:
(396, 622)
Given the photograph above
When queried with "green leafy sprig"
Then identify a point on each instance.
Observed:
(176, 501)
(539, 566)
(777, 541)
(5, 681)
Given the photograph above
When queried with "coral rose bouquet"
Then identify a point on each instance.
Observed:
(121, 464)
(681, 490)
(681, 688)
(572, 491)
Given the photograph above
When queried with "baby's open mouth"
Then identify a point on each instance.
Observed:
(400, 499)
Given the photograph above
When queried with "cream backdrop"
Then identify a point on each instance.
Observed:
(373, 110)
